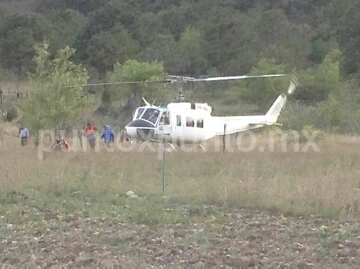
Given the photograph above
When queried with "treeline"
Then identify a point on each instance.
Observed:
(317, 39)
(189, 37)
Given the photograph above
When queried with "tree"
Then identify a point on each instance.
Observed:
(184, 57)
(18, 34)
(191, 57)
(148, 23)
(350, 38)
(130, 95)
(218, 28)
(84, 6)
(282, 40)
(66, 25)
(176, 18)
(107, 48)
(52, 105)
(317, 84)
(263, 91)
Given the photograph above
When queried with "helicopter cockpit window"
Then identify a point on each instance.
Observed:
(151, 114)
(138, 112)
(190, 122)
(164, 120)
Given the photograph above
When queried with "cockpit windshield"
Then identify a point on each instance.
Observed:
(138, 113)
(151, 114)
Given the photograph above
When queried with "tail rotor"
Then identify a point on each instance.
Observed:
(294, 83)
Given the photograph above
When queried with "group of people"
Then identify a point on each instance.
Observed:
(107, 134)
(90, 132)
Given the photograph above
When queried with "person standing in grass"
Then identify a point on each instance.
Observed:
(90, 134)
(24, 135)
(108, 135)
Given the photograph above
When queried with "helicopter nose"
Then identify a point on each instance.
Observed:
(140, 129)
(131, 131)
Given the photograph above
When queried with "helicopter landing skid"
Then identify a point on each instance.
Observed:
(171, 147)
(202, 147)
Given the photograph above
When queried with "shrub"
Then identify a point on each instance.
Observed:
(311, 130)
(12, 113)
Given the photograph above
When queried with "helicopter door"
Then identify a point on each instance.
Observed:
(164, 124)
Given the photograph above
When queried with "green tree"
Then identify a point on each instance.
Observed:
(263, 91)
(349, 33)
(18, 34)
(164, 49)
(218, 27)
(176, 18)
(65, 26)
(148, 23)
(317, 84)
(130, 95)
(112, 15)
(283, 40)
(84, 6)
(52, 105)
(330, 115)
(191, 57)
(107, 48)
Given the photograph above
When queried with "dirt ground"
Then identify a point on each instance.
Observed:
(236, 238)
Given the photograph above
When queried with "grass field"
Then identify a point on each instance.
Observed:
(265, 209)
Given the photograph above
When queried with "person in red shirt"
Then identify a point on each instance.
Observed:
(90, 134)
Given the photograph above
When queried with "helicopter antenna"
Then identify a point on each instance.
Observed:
(146, 102)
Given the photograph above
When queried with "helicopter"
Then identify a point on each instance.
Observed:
(185, 122)
(181, 121)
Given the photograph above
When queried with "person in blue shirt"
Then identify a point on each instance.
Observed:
(108, 135)
(24, 135)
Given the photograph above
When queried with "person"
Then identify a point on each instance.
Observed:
(62, 143)
(24, 135)
(108, 135)
(90, 134)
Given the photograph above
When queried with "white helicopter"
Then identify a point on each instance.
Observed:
(185, 122)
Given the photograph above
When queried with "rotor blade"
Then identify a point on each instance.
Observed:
(234, 78)
(120, 83)
(176, 79)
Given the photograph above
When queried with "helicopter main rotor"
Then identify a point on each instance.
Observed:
(179, 79)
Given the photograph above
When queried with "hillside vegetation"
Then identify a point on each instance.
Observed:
(317, 40)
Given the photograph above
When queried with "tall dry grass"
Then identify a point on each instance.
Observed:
(323, 183)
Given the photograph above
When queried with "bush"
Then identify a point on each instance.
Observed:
(311, 131)
(12, 113)
(297, 115)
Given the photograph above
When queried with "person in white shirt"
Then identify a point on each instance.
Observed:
(24, 135)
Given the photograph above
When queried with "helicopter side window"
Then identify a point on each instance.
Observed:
(200, 123)
(190, 122)
(178, 120)
(164, 120)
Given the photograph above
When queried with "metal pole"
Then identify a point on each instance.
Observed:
(163, 169)
(224, 140)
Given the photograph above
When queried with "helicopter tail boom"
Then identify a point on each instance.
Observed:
(275, 110)
(230, 125)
